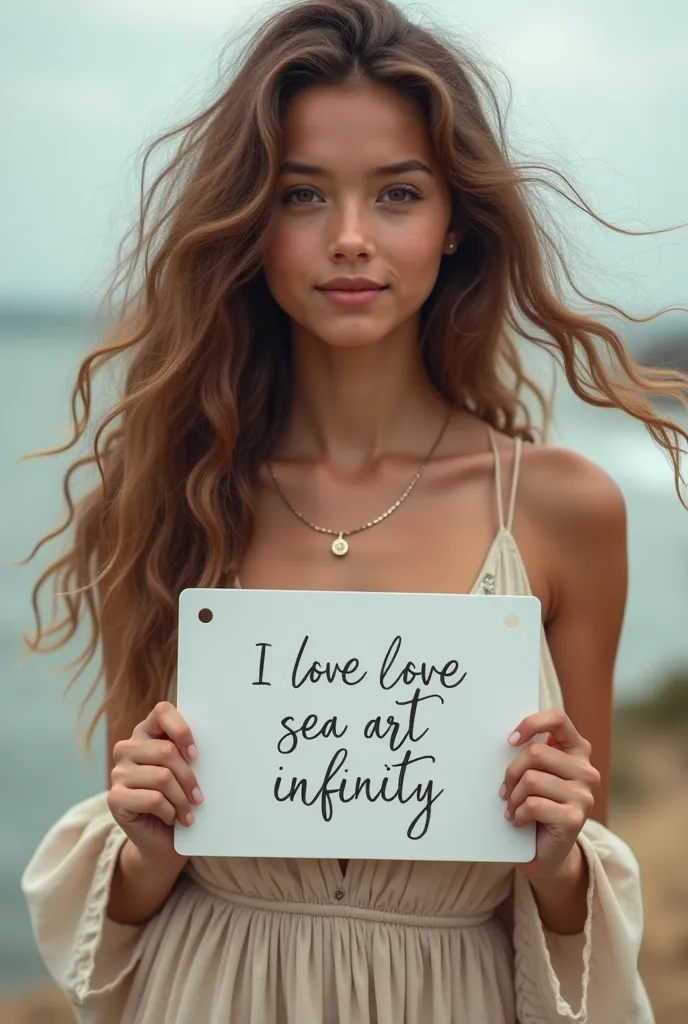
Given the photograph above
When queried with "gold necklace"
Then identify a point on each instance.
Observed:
(340, 546)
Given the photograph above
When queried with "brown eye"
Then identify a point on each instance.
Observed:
(405, 191)
(300, 191)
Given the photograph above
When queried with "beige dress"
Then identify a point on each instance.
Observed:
(294, 942)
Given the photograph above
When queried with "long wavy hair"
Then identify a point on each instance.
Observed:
(206, 349)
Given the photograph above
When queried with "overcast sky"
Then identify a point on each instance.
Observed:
(600, 89)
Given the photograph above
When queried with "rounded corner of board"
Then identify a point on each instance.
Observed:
(178, 842)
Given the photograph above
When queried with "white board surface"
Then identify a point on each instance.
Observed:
(355, 725)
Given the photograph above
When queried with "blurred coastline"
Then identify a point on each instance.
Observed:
(39, 353)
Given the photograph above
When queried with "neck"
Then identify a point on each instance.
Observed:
(352, 405)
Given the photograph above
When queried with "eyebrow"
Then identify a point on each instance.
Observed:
(402, 167)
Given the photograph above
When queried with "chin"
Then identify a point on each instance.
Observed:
(351, 338)
(353, 331)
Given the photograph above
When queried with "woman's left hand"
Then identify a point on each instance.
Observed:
(552, 784)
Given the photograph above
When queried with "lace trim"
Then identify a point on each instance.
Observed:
(90, 931)
(529, 948)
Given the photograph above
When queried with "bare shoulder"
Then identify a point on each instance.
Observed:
(567, 495)
(571, 527)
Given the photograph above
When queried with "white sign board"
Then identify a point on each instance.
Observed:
(355, 725)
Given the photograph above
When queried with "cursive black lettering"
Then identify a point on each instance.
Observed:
(310, 729)
(261, 668)
(346, 789)
(411, 672)
(388, 661)
(329, 670)
(323, 794)
(374, 729)
(291, 736)
(295, 670)
(410, 736)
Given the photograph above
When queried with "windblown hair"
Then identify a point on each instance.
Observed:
(207, 349)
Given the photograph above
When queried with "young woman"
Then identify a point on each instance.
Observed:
(325, 334)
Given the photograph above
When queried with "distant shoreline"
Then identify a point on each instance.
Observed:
(27, 317)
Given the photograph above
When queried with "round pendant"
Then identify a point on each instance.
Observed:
(339, 546)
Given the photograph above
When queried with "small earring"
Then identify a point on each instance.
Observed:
(451, 246)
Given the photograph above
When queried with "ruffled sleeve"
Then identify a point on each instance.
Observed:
(591, 978)
(67, 886)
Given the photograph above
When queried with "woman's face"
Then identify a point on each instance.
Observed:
(343, 210)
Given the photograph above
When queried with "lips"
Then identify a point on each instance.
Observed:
(351, 284)
(352, 298)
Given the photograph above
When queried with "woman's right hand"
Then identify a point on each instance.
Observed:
(153, 784)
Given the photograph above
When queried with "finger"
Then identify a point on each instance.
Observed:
(554, 721)
(534, 783)
(541, 758)
(126, 804)
(163, 753)
(155, 777)
(540, 784)
(165, 721)
(570, 818)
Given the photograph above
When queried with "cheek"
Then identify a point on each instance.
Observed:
(287, 257)
(418, 259)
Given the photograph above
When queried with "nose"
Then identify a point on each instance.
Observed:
(351, 236)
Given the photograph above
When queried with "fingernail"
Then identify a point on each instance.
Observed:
(514, 738)
(502, 790)
(507, 814)
(197, 795)
(192, 753)
(190, 818)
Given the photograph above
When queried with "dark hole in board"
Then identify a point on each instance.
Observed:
(205, 615)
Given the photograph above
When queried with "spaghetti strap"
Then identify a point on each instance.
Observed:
(498, 478)
(518, 444)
